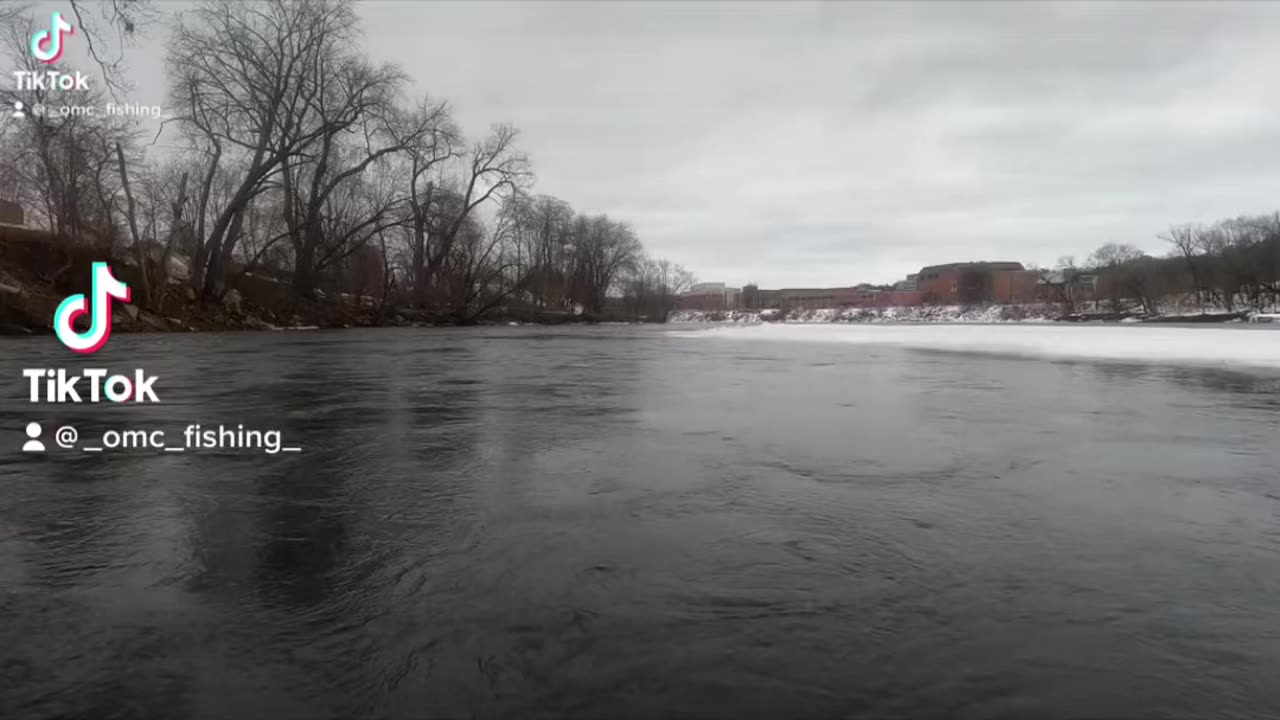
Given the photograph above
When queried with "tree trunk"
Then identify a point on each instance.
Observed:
(304, 273)
(132, 216)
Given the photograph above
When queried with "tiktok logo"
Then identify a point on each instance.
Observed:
(46, 45)
(105, 287)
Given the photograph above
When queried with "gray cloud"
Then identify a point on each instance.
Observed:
(838, 142)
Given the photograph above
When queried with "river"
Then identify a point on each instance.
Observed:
(622, 522)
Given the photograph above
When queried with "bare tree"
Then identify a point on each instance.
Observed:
(653, 287)
(357, 125)
(170, 191)
(434, 148)
(489, 170)
(1125, 270)
(242, 100)
(604, 250)
(551, 241)
(487, 268)
(131, 215)
(108, 27)
(1186, 242)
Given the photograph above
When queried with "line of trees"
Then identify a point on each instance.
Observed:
(301, 160)
(1229, 265)
(1232, 262)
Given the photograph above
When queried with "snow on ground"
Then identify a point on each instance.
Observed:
(1035, 312)
(1240, 345)
(919, 313)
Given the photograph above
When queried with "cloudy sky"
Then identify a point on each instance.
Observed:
(839, 142)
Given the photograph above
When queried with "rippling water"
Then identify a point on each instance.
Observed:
(621, 522)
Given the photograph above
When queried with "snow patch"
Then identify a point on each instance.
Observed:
(918, 313)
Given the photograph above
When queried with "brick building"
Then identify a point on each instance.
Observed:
(873, 297)
(710, 297)
(977, 283)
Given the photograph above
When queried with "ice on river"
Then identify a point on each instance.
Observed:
(1256, 346)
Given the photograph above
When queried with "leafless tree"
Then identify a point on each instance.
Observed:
(109, 27)
(245, 101)
(1185, 240)
(425, 158)
(603, 252)
(652, 288)
(489, 170)
(354, 110)
(131, 215)
(170, 191)
(1125, 270)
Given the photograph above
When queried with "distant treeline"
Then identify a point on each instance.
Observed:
(303, 160)
(1231, 265)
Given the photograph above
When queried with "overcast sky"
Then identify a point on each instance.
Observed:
(840, 142)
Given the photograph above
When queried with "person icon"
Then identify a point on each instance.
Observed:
(18, 110)
(33, 443)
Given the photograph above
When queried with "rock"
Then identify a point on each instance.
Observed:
(132, 310)
(257, 324)
(176, 322)
(190, 294)
(152, 322)
(178, 268)
(233, 301)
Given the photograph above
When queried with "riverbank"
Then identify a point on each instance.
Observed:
(35, 276)
(1030, 313)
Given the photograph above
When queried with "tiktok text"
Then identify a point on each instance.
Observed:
(50, 80)
(56, 386)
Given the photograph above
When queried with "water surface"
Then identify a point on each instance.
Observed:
(623, 522)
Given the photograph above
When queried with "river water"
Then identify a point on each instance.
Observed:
(629, 522)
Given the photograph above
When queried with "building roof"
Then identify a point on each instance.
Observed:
(978, 265)
(705, 288)
(813, 291)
